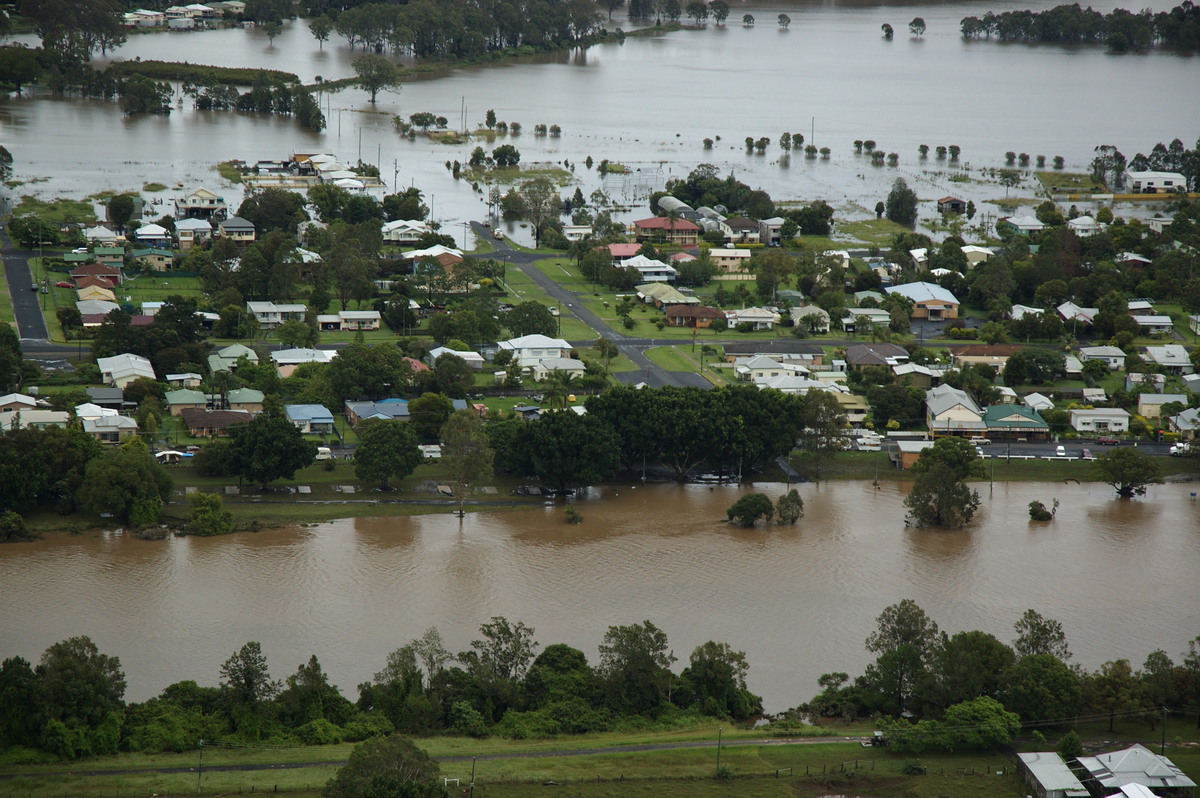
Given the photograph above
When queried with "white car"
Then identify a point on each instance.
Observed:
(1060, 451)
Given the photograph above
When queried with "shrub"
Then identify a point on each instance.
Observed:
(320, 732)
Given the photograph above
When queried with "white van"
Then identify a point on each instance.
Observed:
(323, 453)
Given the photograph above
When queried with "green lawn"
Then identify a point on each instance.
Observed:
(56, 211)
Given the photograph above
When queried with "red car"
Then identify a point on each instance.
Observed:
(1106, 440)
(64, 284)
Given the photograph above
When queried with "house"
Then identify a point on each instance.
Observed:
(650, 270)
(904, 453)
(183, 398)
(769, 231)
(787, 298)
(563, 365)
(445, 256)
(950, 411)
(1187, 424)
(237, 229)
(226, 358)
(110, 274)
(861, 299)
(310, 419)
(1021, 225)
(920, 256)
(1084, 226)
(153, 235)
(270, 315)
(386, 410)
(34, 419)
(995, 355)
(405, 231)
(96, 293)
(951, 205)
(1155, 324)
(1146, 379)
(1132, 260)
(120, 370)
(1070, 312)
(143, 18)
(976, 255)
(213, 423)
(191, 232)
(793, 384)
(199, 204)
(854, 407)
(1038, 402)
(859, 356)
(865, 318)
(1173, 358)
(1111, 356)
(472, 359)
(108, 399)
(743, 231)
(359, 319)
(153, 258)
(812, 317)
(1155, 182)
(671, 231)
(94, 311)
(102, 236)
(529, 349)
(1018, 312)
(698, 316)
(248, 399)
(760, 368)
(730, 261)
(758, 318)
(576, 232)
(620, 252)
(288, 360)
(1100, 419)
(662, 295)
(110, 256)
(915, 375)
(110, 429)
(1191, 383)
(16, 402)
(1150, 404)
(782, 350)
(1048, 776)
(930, 300)
(1135, 765)
(1011, 421)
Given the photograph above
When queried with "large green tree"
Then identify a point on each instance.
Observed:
(367, 371)
(635, 667)
(78, 685)
(940, 495)
(126, 482)
(530, 318)
(1037, 634)
(901, 205)
(267, 448)
(466, 452)
(386, 450)
(569, 451)
(387, 767)
(375, 74)
(1129, 470)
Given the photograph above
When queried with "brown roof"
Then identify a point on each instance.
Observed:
(693, 312)
(99, 280)
(195, 418)
(621, 250)
(101, 269)
(742, 223)
(663, 223)
(415, 364)
(948, 199)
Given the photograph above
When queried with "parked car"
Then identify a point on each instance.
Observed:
(1060, 451)
(979, 451)
(64, 284)
(1106, 440)
(979, 440)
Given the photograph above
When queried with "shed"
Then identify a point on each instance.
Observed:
(1048, 776)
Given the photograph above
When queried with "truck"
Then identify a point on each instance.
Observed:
(1181, 449)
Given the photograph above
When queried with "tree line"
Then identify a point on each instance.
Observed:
(1119, 29)
(71, 704)
(970, 689)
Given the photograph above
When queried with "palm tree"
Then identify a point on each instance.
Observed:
(559, 385)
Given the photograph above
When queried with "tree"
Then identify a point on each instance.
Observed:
(387, 767)
(719, 10)
(367, 371)
(504, 651)
(789, 508)
(245, 678)
(466, 452)
(375, 74)
(940, 499)
(749, 508)
(698, 11)
(506, 155)
(888, 31)
(917, 26)
(119, 210)
(321, 27)
(453, 376)
(567, 451)
(387, 449)
(273, 209)
(1040, 687)
(1128, 470)
(267, 448)
(77, 685)
(1070, 746)
(784, 21)
(1040, 635)
(823, 424)
(540, 204)
(635, 666)
(901, 624)
(427, 413)
(209, 516)
(126, 482)
(981, 723)
(297, 333)
(1034, 366)
(715, 682)
(901, 205)
(530, 318)
(1113, 689)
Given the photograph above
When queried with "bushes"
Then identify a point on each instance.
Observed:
(201, 73)
(320, 732)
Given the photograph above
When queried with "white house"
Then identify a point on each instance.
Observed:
(730, 259)
(1085, 225)
(1155, 324)
(1172, 357)
(270, 315)
(1049, 777)
(1150, 404)
(1018, 312)
(1136, 765)
(761, 367)
(405, 231)
(191, 232)
(1071, 312)
(1155, 182)
(650, 270)
(288, 360)
(1111, 356)
(473, 359)
(760, 318)
(564, 365)
(813, 317)
(529, 349)
(1100, 419)
(1038, 402)
(120, 370)
(949, 410)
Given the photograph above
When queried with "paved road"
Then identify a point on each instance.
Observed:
(31, 326)
(633, 348)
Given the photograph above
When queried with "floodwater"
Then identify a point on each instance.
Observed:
(1119, 575)
(650, 102)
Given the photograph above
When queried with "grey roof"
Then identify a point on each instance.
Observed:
(1135, 765)
(1051, 772)
(944, 397)
(923, 292)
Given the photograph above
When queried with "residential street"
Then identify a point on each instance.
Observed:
(30, 324)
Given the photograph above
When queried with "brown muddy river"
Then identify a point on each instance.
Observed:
(1121, 576)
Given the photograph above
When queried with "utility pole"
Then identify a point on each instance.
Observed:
(200, 770)
(719, 730)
